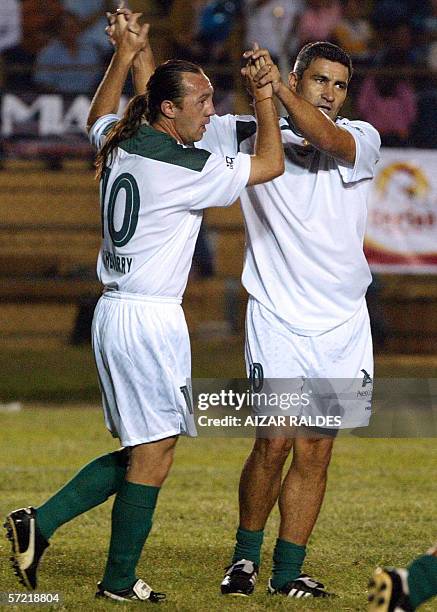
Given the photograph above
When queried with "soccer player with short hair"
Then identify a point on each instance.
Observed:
(307, 276)
(154, 187)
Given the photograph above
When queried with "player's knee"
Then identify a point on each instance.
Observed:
(151, 464)
(273, 452)
(144, 472)
(312, 456)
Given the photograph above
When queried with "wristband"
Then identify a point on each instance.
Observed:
(262, 100)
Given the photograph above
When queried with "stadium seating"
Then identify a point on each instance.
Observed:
(49, 239)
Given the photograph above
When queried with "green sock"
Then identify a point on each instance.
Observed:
(90, 487)
(422, 579)
(131, 523)
(248, 545)
(287, 562)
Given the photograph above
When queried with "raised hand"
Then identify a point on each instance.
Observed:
(125, 33)
(268, 72)
(111, 27)
(251, 70)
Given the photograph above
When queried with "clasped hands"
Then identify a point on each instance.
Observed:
(124, 31)
(261, 74)
(266, 71)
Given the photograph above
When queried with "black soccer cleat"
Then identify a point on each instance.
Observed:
(28, 544)
(320, 585)
(140, 591)
(240, 578)
(304, 586)
(388, 591)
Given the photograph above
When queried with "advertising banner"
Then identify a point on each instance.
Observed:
(33, 125)
(401, 232)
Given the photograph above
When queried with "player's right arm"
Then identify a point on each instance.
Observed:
(267, 162)
(108, 94)
(316, 127)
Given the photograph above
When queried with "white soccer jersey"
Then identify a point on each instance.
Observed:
(305, 229)
(152, 198)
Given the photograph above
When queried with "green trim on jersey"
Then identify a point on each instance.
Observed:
(108, 128)
(245, 129)
(152, 144)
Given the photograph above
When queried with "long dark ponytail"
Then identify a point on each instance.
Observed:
(133, 117)
(165, 84)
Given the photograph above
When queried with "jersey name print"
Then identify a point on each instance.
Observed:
(114, 262)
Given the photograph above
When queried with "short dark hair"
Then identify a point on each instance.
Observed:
(327, 50)
(166, 84)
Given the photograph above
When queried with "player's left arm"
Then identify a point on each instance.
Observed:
(143, 65)
(317, 128)
(311, 122)
(130, 40)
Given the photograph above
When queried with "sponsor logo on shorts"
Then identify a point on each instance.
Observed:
(367, 379)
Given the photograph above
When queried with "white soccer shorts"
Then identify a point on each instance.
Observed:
(337, 364)
(142, 353)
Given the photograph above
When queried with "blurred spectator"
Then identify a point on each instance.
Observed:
(426, 25)
(354, 32)
(91, 15)
(390, 103)
(387, 13)
(69, 63)
(10, 35)
(318, 21)
(164, 5)
(201, 33)
(150, 7)
(201, 29)
(184, 25)
(398, 47)
(425, 21)
(39, 20)
(10, 24)
(426, 126)
(272, 23)
(217, 20)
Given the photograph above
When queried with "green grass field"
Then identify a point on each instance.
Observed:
(380, 505)
(68, 373)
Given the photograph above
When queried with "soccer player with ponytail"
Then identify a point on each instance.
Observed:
(154, 186)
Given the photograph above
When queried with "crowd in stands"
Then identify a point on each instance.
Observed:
(54, 38)
(60, 46)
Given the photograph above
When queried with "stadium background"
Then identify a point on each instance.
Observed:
(380, 505)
